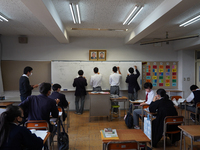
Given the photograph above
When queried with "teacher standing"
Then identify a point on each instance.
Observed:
(24, 85)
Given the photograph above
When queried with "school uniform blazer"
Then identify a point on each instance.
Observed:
(132, 82)
(80, 84)
(20, 136)
(25, 87)
(63, 102)
(39, 108)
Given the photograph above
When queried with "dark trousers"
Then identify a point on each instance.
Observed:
(114, 90)
(98, 89)
(77, 98)
(23, 98)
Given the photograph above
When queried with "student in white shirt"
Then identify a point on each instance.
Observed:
(149, 98)
(114, 81)
(194, 95)
(96, 80)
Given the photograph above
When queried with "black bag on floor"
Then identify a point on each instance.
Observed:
(63, 139)
(129, 120)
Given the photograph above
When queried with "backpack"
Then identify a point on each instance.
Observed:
(129, 120)
(63, 139)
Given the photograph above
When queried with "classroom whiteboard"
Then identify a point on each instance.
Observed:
(64, 72)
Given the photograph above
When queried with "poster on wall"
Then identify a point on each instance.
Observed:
(161, 74)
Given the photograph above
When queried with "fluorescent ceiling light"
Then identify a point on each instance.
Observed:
(190, 21)
(75, 13)
(1, 20)
(72, 12)
(78, 13)
(98, 29)
(130, 15)
(135, 15)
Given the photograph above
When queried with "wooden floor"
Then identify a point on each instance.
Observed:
(85, 135)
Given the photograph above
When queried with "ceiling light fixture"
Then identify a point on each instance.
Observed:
(72, 12)
(130, 15)
(98, 29)
(191, 21)
(78, 13)
(133, 14)
(75, 13)
(3, 18)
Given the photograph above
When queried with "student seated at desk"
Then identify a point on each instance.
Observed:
(14, 137)
(149, 97)
(163, 106)
(57, 95)
(195, 95)
(39, 107)
(96, 80)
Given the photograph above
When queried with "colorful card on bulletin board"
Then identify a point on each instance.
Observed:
(161, 74)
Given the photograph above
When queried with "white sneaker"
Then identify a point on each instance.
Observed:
(136, 127)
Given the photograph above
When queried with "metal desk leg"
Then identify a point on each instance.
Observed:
(58, 131)
(181, 140)
(104, 146)
(191, 143)
(184, 141)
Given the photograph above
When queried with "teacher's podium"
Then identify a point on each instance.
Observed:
(99, 104)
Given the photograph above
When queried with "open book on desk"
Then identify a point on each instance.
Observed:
(40, 133)
(180, 100)
(108, 136)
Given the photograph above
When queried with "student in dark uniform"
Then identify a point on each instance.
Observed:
(14, 137)
(80, 92)
(24, 85)
(39, 107)
(164, 107)
(133, 86)
(56, 95)
(194, 95)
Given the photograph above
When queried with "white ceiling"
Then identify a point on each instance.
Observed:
(23, 19)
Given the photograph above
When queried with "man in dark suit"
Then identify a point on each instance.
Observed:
(39, 107)
(24, 85)
(133, 86)
(80, 92)
(56, 95)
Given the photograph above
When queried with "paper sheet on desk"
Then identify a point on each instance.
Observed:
(40, 133)
(140, 101)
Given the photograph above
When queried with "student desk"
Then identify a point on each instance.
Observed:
(136, 103)
(99, 104)
(191, 131)
(120, 99)
(43, 134)
(129, 135)
(151, 119)
(2, 110)
(5, 104)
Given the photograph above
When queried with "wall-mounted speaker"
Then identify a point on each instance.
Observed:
(23, 39)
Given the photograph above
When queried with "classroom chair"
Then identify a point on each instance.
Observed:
(123, 145)
(112, 111)
(197, 113)
(142, 115)
(38, 125)
(178, 107)
(172, 120)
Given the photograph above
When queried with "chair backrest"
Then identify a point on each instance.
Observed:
(176, 97)
(59, 109)
(125, 145)
(198, 105)
(145, 106)
(173, 120)
(37, 124)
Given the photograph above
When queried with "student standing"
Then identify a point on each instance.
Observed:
(57, 95)
(149, 98)
(133, 86)
(80, 92)
(194, 95)
(114, 81)
(13, 136)
(163, 106)
(39, 107)
(24, 85)
(96, 80)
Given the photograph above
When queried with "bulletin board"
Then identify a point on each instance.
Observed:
(161, 74)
